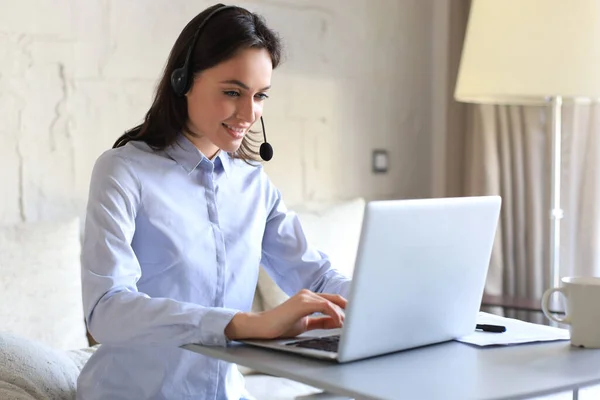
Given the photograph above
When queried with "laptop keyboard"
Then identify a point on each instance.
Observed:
(329, 343)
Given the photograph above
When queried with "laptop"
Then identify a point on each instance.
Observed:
(419, 277)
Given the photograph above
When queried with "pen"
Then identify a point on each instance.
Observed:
(491, 328)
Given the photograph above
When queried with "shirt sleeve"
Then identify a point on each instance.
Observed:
(116, 312)
(289, 258)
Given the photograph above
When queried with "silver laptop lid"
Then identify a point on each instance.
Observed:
(420, 273)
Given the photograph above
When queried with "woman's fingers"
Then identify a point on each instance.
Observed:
(321, 323)
(334, 298)
(333, 310)
(296, 315)
(327, 304)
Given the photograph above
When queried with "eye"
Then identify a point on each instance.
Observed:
(262, 96)
(231, 93)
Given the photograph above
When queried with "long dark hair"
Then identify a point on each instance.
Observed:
(227, 32)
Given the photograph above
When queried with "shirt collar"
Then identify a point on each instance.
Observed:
(186, 154)
(224, 159)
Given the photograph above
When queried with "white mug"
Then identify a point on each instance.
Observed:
(582, 309)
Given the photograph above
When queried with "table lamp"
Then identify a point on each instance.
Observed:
(533, 52)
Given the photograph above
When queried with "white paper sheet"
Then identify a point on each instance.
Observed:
(516, 332)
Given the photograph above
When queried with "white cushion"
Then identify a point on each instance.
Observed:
(333, 228)
(30, 370)
(40, 285)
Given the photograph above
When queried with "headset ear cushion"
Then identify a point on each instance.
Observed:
(179, 81)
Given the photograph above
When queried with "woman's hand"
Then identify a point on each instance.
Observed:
(291, 318)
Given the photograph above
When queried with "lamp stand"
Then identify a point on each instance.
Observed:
(556, 213)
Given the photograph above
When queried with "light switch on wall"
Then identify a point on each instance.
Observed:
(380, 161)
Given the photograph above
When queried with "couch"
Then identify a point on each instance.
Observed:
(43, 341)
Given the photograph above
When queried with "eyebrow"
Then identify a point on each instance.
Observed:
(242, 84)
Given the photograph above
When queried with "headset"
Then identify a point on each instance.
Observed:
(181, 82)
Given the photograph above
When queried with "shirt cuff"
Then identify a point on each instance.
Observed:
(212, 328)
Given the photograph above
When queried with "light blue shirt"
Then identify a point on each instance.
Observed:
(171, 251)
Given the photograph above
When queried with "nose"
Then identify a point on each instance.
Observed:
(246, 110)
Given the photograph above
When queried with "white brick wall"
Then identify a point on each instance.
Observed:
(74, 74)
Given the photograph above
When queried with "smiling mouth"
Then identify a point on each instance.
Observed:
(236, 132)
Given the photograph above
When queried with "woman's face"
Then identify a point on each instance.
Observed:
(225, 100)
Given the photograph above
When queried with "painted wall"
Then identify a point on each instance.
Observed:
(75, 74)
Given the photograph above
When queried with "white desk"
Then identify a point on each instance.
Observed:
(446, 371)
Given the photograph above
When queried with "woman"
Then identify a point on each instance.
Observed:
(179, 218)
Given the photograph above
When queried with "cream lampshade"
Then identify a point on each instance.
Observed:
(527, 51)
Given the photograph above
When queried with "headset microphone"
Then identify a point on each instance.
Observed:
(266, 150)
